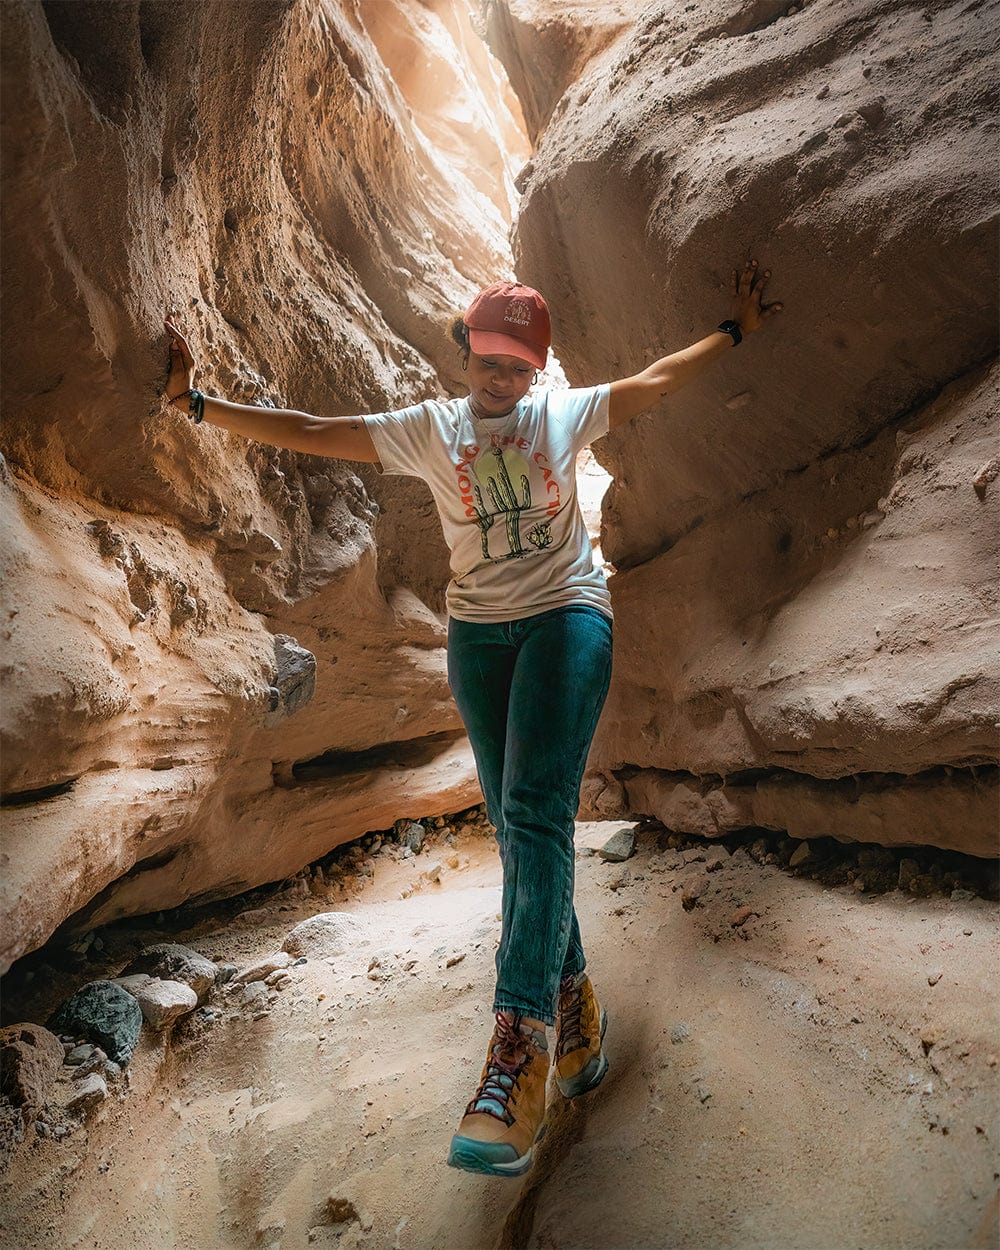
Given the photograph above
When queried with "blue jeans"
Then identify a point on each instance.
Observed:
(530, 693)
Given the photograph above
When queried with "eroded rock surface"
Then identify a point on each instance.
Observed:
(806, 539)
(262, 170)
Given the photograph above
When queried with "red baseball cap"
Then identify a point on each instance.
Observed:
(510, 320)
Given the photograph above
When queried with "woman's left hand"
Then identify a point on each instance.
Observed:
(182, 366)
(747, 290)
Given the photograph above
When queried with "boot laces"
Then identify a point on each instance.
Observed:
(570, 1024)
(510, 1053)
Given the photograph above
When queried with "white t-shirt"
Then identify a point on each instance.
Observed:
(505, 490)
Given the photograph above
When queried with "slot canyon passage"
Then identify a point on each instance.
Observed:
(226, 719)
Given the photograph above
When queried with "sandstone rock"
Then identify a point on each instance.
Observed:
(163, 1002)
(170, 961)
(82, 1054)
(261, 970)
(692, 891)
(327, 935)
(106, 1014)
(155, 566)
(30, 1059)
(88, 1094)
(801, 854)
(619, 847)
(248, 994)
(834, 661)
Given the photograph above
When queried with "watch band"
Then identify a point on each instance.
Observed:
(733, 328)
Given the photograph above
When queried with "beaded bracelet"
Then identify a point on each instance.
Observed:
(196, 403)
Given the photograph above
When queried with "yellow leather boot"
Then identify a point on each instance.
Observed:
(506, 1117)
(580, 1059)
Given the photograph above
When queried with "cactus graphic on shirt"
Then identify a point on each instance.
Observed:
(540, 535)
(504, 501)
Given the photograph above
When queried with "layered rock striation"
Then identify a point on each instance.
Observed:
(220, 659)
(806, 539)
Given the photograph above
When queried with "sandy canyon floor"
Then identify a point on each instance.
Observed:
(794, 1081)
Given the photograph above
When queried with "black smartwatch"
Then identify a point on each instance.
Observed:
(733, 328)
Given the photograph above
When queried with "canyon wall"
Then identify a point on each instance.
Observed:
(805, 539)
(221, 659)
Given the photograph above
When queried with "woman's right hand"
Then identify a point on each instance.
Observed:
(181, 363)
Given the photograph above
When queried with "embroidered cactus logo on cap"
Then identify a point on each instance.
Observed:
(510, 319)
(518, 313)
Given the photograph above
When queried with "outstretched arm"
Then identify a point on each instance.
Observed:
(633, 395)
(344, 438)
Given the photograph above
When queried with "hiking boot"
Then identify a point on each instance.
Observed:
(507, 1116)
(580, 1059)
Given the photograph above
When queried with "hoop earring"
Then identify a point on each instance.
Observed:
(534, 380)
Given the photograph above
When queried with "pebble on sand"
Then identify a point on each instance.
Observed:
(620, 846)
(328, 934)
(692, 892)
(263, 968)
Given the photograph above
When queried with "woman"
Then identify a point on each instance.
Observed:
(529, 649)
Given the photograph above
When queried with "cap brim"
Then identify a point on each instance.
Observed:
(487, 342)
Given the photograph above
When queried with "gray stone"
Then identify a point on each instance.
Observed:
(105, 1014)
(620, 846)
(97, 1062)
(679, 1033)
(80, 1054)
(295, 682)
(172, 962)
(410, 834)
(89, 1093)
(249, 993)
